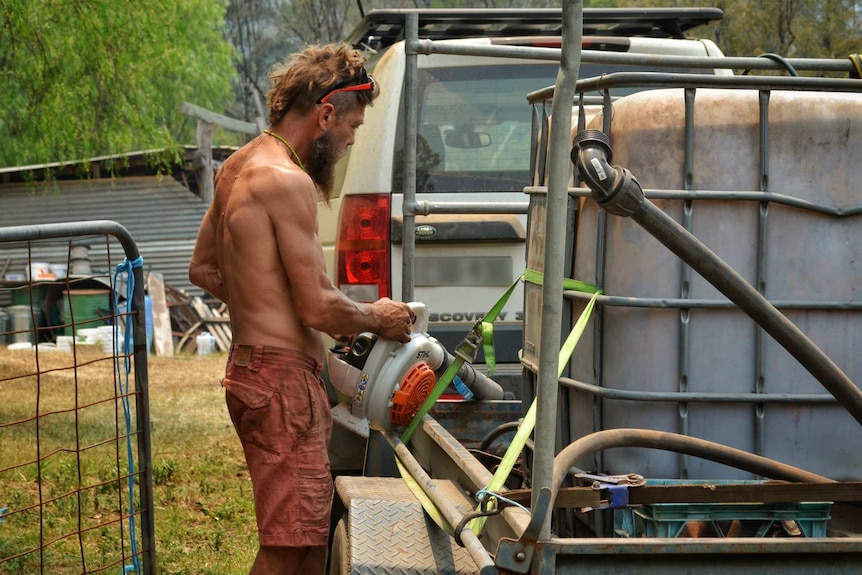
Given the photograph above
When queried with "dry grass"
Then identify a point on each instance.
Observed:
(204, 514)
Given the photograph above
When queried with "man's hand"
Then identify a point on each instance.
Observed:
(394, 319)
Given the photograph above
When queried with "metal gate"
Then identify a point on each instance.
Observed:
(75, 468)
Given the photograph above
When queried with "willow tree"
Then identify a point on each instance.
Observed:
(85, 78)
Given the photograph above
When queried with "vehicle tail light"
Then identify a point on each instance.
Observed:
(362, 247)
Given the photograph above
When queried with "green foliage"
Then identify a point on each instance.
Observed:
(163, 471)
(84, 79)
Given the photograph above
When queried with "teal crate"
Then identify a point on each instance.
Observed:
(670, 519)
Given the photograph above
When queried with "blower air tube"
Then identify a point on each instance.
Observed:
(482, 386)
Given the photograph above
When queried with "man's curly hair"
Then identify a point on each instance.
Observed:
(307, 76)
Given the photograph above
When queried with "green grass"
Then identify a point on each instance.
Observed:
(204, 515)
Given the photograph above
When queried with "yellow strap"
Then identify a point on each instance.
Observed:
(529, 422)
(426, 406)
(488, 347)
(423, 498)
(452, 371)
(524, 430)
(531, 276)
(857, 63)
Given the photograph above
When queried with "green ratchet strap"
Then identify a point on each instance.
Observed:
(428, 505)
(466, 351)
(482, 331)
(487, 327)
(538, 278)
(529, 421)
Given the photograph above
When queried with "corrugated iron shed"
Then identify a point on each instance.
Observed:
(161, 214)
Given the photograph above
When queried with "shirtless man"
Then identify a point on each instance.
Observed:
(258, 251)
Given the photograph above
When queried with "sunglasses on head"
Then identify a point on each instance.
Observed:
(363, 82)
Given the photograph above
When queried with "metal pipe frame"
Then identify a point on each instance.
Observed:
(684, 80)
(764, 196)
(630, 58)
(736, 195)
(471, 541)
(696, 397)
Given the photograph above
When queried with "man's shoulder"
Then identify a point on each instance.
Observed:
(262, 172)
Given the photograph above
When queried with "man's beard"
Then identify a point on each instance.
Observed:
(321, 165)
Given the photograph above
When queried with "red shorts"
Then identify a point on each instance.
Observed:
(280, 410)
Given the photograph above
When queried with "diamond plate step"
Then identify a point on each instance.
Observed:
(389, 532)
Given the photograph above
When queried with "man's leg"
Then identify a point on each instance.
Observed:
(289, 561)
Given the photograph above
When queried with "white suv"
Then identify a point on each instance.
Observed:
(473, 145)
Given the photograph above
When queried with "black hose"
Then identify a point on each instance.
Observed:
(667, 441)
(780, 60)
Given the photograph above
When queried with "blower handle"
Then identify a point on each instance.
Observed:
(420, 325)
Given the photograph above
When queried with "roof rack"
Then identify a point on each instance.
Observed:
(382, 28)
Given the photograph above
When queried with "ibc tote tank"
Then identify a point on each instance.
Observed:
(804, 255)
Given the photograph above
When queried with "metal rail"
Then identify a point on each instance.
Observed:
(414, 47)
(144, 480)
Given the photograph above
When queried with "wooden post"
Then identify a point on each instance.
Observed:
(163, 340)
(207, 121)
(204, 160)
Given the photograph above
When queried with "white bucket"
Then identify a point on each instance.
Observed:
(21, 323)
(79, 251)
(64, 342)
(20, 345)
(81, 266)
(109, 344)
(59, 270)
(39, 271)
(88, 336)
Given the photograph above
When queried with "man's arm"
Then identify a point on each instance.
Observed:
(204, 270)
(318, 303)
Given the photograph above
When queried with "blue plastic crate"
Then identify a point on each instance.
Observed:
(670, 519)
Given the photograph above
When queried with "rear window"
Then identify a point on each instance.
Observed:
(475, 125)
(474, 128)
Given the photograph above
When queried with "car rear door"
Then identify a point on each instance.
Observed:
(473, 145)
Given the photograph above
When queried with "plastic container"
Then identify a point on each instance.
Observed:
(671, 519)
(89, 308)
(148, 316)
(64, 342)
(89, 336)
(59, 271)
(81, 266)
(148, 319)
(4, 327)
(39, 271)
(205, 343)
(797, 252)
(21, 324)
(110, 341)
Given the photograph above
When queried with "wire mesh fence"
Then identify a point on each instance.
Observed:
(75, 468)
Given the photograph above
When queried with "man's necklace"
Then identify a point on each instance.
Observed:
(289, 147)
